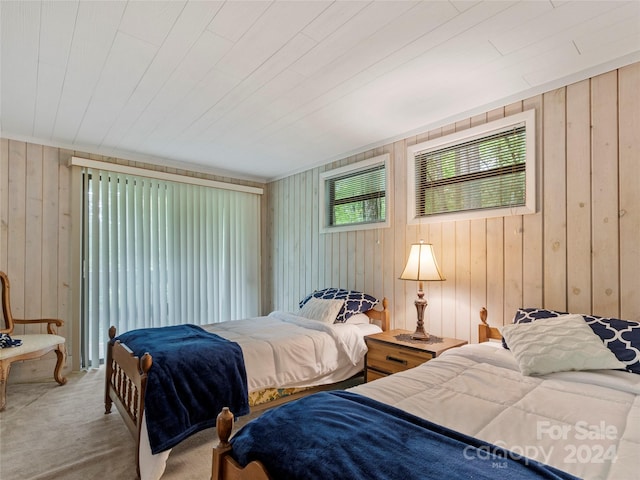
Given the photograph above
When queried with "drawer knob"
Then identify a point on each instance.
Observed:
(397, 360)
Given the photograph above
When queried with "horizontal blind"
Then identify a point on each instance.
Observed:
(357, 197)
(482, 173)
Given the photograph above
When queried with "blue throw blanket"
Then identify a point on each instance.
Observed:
(194, 374)
(339, 435)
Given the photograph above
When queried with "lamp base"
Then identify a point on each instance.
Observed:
(420, 334)
(420, 304)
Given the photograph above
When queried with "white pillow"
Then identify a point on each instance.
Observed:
(558, 344)
(358, 319)
(322, 310)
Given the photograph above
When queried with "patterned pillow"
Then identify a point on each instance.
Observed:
(354, 302)
(622, 337)
(7, 342)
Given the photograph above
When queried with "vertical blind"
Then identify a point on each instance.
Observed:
(160, 253)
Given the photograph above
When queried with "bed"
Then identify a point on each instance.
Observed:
(281, 356)
(560, 398)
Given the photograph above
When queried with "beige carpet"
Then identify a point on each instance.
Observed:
(49, 431)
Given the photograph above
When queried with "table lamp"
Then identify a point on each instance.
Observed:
(421, 266)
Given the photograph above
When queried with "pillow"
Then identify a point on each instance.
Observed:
(358, 319)
(558, 344)
(622, 337)
(354, 301)
(528, 315)
(324, 311)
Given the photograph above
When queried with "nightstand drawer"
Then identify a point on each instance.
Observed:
(374, 375)
(392, 359)
(394, 351)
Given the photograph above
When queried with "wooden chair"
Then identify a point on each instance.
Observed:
(34, 345)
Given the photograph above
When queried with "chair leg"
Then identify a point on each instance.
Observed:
(4, 377)
(61, 353)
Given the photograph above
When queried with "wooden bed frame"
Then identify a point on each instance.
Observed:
(224, 467)
(485, 331)
(126, 381)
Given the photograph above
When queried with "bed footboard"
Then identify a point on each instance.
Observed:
(125, 385)
(224, 467)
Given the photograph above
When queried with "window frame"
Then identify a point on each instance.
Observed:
(491, 128)
(354, 168)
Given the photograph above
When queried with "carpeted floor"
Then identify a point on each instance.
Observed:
(49, 431)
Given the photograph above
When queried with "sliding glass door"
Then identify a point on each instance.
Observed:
(158, 253)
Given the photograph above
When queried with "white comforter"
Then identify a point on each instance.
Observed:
(585, 423)
(282, 350)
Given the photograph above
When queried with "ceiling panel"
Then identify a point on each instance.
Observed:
(150, 20)
(57, 23)
(550, 22)
(50, 82)
(127, 61)
(359, 30)
(213, 121)
(184, 34)
(278, 62)
(270, 88)
(235, 18)
(270, 32)
(191, 71)
(20, 26)
(94, 33)
(620, 24)
(332, 18)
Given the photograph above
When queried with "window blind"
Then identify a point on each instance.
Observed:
(160, 253)
(483, 173)
(357, 197)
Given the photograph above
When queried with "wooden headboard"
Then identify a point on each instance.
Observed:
(486, 332)
(381, 316)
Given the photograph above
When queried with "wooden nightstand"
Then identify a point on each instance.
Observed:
(394, 351)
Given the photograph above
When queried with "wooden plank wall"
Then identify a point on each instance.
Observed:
(579, 253)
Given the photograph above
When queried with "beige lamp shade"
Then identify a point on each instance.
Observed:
(421, 264)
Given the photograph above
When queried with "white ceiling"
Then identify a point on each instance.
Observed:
(264, 89)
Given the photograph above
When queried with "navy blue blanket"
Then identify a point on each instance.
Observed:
(194, 374)
(339, 435)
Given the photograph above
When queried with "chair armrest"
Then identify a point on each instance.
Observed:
(49, 321)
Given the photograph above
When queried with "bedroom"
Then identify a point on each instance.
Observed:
(582, 256)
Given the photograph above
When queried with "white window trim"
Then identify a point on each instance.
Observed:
(336, 172)
(506, 123)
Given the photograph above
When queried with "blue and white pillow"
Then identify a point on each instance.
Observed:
(7, 342)
(354, 301)
(622, 337)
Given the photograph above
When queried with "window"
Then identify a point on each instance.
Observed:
(485, 171)
(355, 197)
